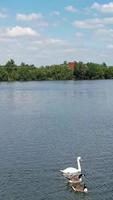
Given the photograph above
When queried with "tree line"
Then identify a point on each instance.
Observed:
(83, 71)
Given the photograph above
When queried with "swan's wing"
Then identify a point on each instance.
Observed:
(69, 170)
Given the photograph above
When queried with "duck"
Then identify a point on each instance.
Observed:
(71, 170)
(75, 178)
(78, 187)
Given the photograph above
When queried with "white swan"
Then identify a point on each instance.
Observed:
(72, 170)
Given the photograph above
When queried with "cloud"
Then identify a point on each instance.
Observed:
(49, 42)
(110, 46)
(93, 23)
(5, 40)
(3, 15)
(75, 50)
(33, 17)
(104, 36)
(29, 17)
(54, 41)
(105, 8)
(79, 34)
(88, 24)
(55, 13)
(108, 33)
(71, 9)
(18, 31)
(43, 24)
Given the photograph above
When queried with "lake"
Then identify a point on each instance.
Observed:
(44, 126)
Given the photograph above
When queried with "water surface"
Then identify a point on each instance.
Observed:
(44, 126)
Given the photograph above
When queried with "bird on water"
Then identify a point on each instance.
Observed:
(71, 170)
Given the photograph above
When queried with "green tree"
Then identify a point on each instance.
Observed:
(80, 72)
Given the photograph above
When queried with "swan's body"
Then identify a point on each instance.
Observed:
(79, 188)
(72, 170)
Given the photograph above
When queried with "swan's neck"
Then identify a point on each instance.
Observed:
(79, 166)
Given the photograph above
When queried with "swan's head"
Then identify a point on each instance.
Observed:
(79, 158)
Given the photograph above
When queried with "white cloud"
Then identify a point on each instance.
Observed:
(37, 17)
(93, 23)
(55, 13)
(18, 31)
(107, 20)
(104, 36)
(69, 50)
(88, 24)
(73, 50)
(79, 34)
(3, 15)
(108, 33)
(29, 17)
(5, 40)
(105, 8)
(53, 41)
(110, 46)
(96, 6)
(43, 24)
(49, 42)
(71, 8)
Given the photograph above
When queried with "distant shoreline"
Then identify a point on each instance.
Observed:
(24, 72)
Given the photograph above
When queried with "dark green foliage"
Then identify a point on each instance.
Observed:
(81, 71)
(24, 72)
(93, 71)
(3, 74)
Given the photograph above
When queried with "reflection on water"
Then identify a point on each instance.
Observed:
(44, 126)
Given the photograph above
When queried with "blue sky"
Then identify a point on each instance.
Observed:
(44, 32)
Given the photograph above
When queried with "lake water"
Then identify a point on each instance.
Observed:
(44, 126)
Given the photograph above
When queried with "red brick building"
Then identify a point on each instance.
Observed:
(72, 65)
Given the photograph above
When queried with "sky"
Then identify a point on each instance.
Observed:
(45, 32)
